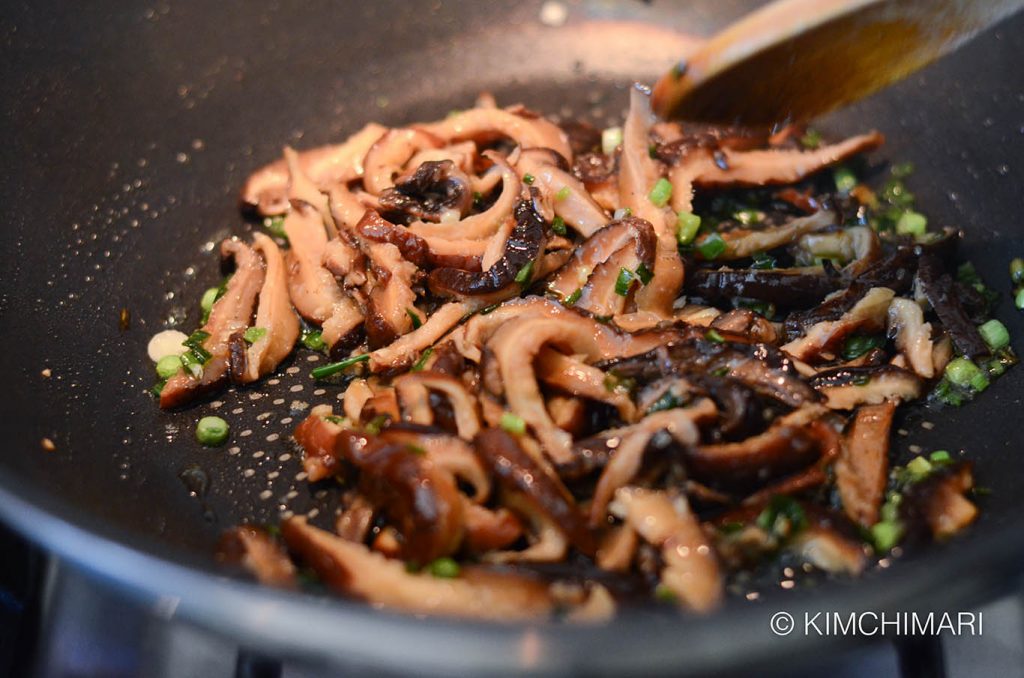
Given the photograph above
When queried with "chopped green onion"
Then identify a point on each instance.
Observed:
(687, 225)
(1018, 300)
(525, 274)
(558, 225)
(613, 383)
(158, 388)
(421, 363)
(622, 213)
(375, 425)
(574, 297)
(857, 345)
(192, 364)
(563, 193)
(195, 342)
(168, 366)
(513, 423)
(961, 371)
(811, 139)
(783, 517)
(995, 334)
(335, 419)
(212, 431)
(489, 309)
(415, 317)
(668, 401)
(940, 457)
(660, 193)
(313, 340)
(254, 334)
(340, 366)
(624, 281)
(891, 508)
(763, 261)
(845, 179)
(902, 170)
(477, 197)
(645, 274)
(885, 535)
(911, 223)
(209, 296)
(664, 593)
(712, 247)
(444, 568)
(748, 216)
(276, 226)
(416, 449)
(767, 309)
(948, 394)
(713, 335)
(528, 179)
(980, 382)
(1017, 271)
(611, 138)
(919, 467)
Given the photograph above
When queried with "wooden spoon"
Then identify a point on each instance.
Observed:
(795, 59)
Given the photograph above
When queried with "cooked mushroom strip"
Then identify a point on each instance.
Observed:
(638, 173)
(579, 379)
(312, 288)
(629, 232)
(463, 154)
(436, 191)
(229, 317)
(318, 436)
(566, 195)
(387, 310)
(355, 521)
(345, 261)
(845, 388)
(485, 124)
(423, 251)
(627, 457)
(786, 445)
(727, 167)
(830, 443)
(863, 464)
(467, 419)
(514, 347)
(939, 500)
(259, 553)
(274, 316)
(266, 190)
(446, 451)
(617, 549)
(509, 274)
(691, 569)
(784, 288)
(762, 367)
(388, 155)
(823, 546)
(403, 350)
(913, 335)
(537, 490)
(356, 396)
(355, 570)
(483, 225)
(867, 315)
(941, 294)
(745, 322)
(743, 243)
(488, 530)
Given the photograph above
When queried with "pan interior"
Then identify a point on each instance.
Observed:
(129, 154)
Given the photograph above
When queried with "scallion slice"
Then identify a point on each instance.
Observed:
(660, 193)
(712, 247)
(334, 368)
(513, 423)
(687, 225)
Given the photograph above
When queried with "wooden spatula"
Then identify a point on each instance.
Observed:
(795, 59)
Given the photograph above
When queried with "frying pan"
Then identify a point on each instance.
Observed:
(129, 130)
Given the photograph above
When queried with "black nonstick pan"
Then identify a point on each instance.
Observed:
(129, 128)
